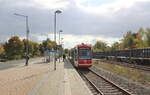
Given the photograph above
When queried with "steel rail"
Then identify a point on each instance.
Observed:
(118, 87)
(92, 84)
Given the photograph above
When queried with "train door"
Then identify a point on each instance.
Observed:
(75, 57)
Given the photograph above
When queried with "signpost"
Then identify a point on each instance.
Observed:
(49, 54)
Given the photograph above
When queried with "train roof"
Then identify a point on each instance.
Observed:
(83, 46)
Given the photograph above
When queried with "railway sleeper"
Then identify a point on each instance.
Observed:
(108, 88)
(110, 91)
(114, 93)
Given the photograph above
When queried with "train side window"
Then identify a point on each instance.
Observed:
(76, 53)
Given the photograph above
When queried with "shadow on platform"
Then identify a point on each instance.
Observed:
(68, 65)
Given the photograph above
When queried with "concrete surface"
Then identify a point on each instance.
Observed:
(21, 80)
(64, 81)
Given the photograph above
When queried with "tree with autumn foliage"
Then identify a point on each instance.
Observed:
(128, 40)
(47, 45)
(100, 46)
(116, 46)
(14, 48)
(34, 48)
(148, 37)
(139, 39)
(135, 40)
(2, 51)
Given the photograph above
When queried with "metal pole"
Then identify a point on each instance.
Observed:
(59, 37)
(58, 11)
(59, 45)
(27, 42)
(27, 36)
(59, 48)
(55, 41)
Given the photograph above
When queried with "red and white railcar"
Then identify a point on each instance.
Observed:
(82, 56)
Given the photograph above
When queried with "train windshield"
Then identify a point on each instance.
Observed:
(84, 53)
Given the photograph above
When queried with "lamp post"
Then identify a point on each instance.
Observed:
(59, 36)
(56, 12)
(27, 36)
(61, 42)
(59, 45)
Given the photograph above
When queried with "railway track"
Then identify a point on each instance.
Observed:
(91, 85)
(145, 68)
(101, 86)
(135, 66)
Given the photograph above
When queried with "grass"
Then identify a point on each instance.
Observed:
(129, 73)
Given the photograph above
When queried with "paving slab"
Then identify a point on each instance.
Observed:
(77, 85)
(63, 81)
(21, 79)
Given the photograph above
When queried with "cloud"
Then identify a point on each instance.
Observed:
(72, 40)
(51, 4)
(108, 9)
(80, 23)
(42, 4)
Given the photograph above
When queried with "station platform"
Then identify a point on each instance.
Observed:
(62, 81)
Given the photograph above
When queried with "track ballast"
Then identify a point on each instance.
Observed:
(99, 85)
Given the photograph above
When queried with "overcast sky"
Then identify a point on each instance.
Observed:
(81, 20)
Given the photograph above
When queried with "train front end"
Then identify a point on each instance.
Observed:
(84, 56)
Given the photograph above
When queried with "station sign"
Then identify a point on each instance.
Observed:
(50, 50)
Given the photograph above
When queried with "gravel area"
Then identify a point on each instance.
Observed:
(134, 88)
(21, 80)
